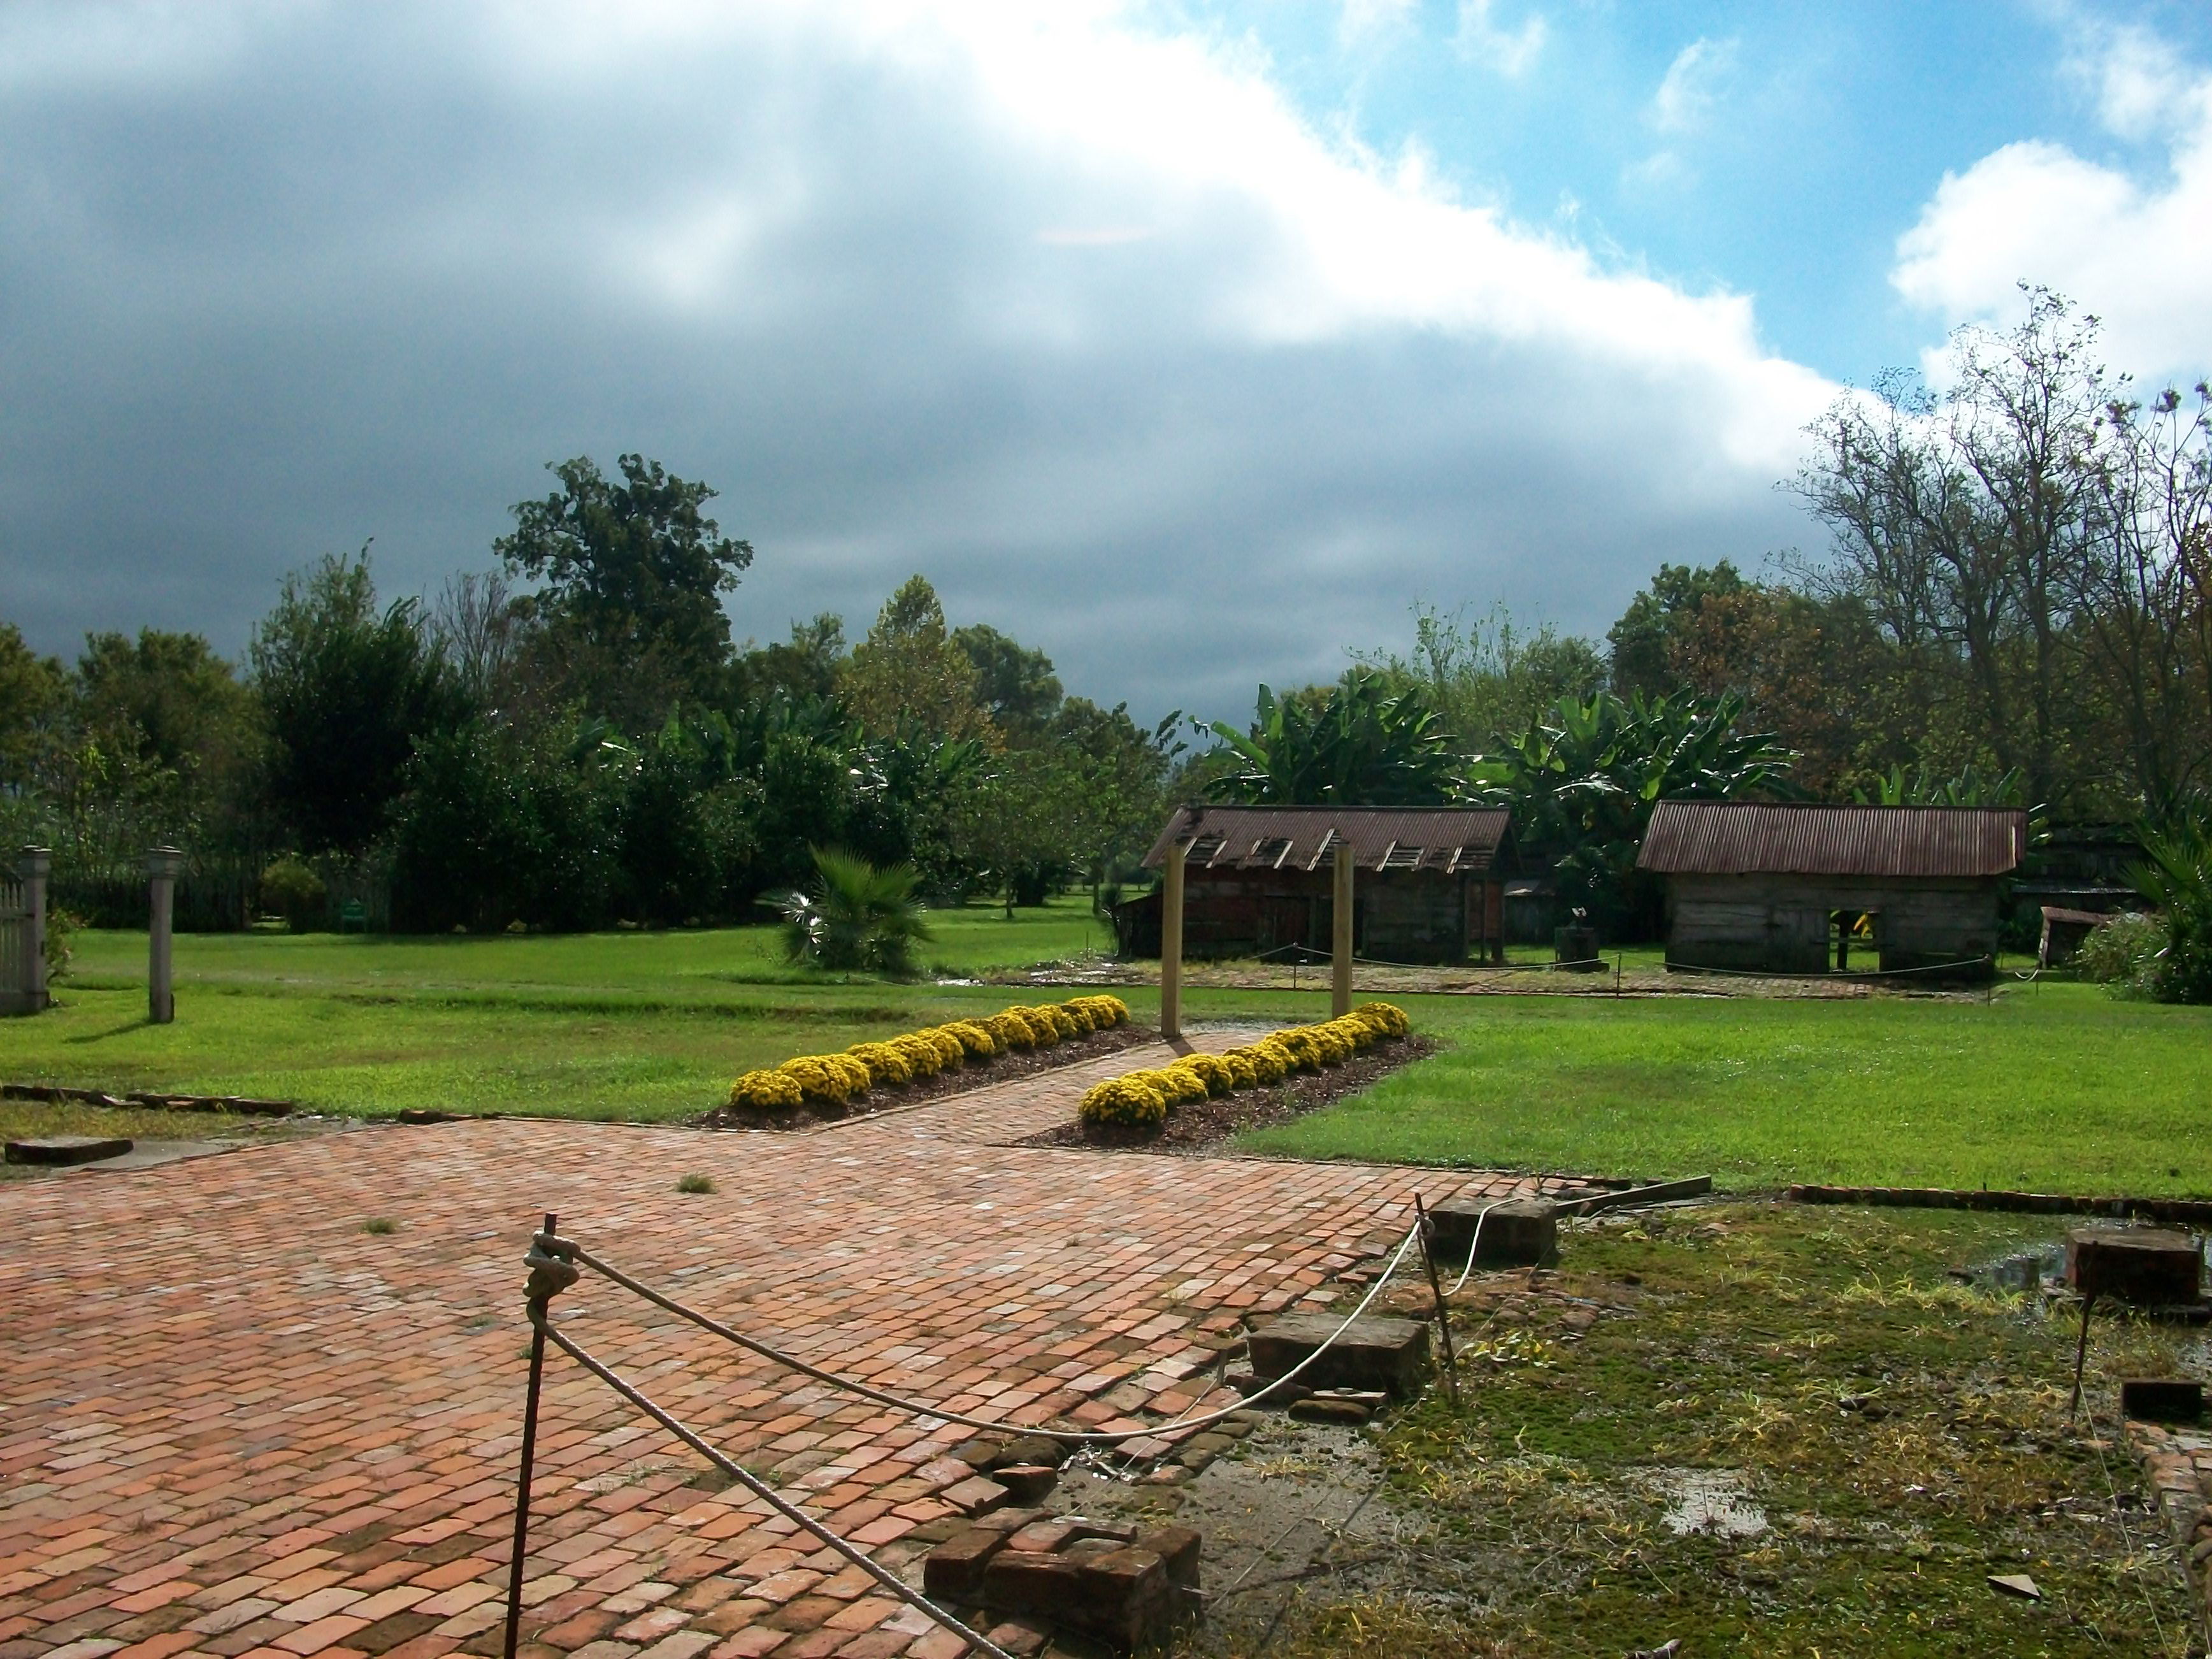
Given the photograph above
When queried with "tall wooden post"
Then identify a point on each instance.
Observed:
(33, 868)
(1171, 941)
(1340, 944)
(162, 864)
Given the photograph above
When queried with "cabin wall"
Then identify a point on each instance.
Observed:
(1779, 924)
(1423, 917)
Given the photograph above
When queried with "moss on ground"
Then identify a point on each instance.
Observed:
(1904, 1436)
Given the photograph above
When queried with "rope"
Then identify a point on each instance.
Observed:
(761, 1490)
(1476, 1244)
(923, 1408)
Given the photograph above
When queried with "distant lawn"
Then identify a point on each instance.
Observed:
(2055, 1087)
(611, 1025)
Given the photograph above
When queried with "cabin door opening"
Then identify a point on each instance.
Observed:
(1851, 928)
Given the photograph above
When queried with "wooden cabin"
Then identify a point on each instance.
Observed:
(1807, 890)
(1427, 887)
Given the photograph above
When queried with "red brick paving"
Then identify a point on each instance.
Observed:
(233, 1424)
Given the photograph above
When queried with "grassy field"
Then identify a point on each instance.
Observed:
(2052, 1086)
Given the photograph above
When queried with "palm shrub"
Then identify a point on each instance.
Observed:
(2175, 875)
(864, 917)
(2124, 953)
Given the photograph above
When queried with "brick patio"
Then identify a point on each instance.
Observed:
(235, 1423)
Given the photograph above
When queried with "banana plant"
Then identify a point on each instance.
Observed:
(1361, 744)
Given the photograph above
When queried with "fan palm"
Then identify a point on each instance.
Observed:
(862, 917)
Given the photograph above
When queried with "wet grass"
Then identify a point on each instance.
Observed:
(1903, 1436)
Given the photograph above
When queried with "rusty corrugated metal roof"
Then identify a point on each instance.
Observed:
(1729, 838)
(1298, 837)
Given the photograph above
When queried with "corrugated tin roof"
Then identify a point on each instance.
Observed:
(1729, 838)
(1451, 839)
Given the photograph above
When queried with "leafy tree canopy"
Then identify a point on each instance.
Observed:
(1360, 744)
(1016, 685)
(909, 672)
(631, 576)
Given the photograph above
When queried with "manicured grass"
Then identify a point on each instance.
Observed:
(2058, 1088)
(610, 1025)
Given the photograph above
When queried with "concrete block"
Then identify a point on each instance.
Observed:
(2151, 1266)
(2162, 1400)
(1391, 1355)
(66, 1148)
(1520, 1232)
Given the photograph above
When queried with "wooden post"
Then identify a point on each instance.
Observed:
(1171, 941)
(162, 864)
(32, 868)
(1340, 944)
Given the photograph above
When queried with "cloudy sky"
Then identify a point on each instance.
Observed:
(1193, 342)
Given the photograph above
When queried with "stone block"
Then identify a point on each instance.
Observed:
(1178, 1549)
(975, 1494)
(57, 1150)
(1315, 1409)
(2163, 1400)
(1520, 1232)
(2151, 1266)
(954, 1570)
(1391, 1355)
(1029, 1483)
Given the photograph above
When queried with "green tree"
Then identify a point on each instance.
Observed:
(1646, 640)
(348, 689)
(631, 576)
(908, 672)
(1016, 685)
(35, 696)
(1358, 744)
(1486, 677)
(803, 667)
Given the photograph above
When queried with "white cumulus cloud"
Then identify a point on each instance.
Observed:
(1074, 313)
(2132, 244)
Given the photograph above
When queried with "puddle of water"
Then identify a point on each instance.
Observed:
(1710, 1500)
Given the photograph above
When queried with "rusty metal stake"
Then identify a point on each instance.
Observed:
(2081, 1356)
(1443, 1317)
(539, 1294)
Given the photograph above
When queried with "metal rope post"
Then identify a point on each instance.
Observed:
(1436, 1287)
(551, 1272)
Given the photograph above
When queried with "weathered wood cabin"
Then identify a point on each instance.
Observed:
(1802, 890)
(1427, 883)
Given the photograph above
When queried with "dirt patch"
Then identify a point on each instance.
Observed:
(975, 1074)
(1200, 1127)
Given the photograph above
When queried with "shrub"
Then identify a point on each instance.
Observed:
(951, 1053)
(1105, 1012)
(1244, 1073)
(62, 927)
(1129, 1103)
(1387, 1019)
(1182, 1083)
(2177, 876)
(2123, 952)
(775, 1090)
(1010, 1028)
(919, 1053)
(290, 889)
(864, 917)
(885, 1062)
(974, 1037)
(1218, 1075)
(695, 1184)
(827, 1079)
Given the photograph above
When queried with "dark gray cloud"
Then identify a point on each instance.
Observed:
(1182, 395)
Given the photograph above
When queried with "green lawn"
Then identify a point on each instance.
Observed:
(616, 1025)
(2055, 1087)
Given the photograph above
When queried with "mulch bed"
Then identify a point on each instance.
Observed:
(975, 1074)
(1194, 1129)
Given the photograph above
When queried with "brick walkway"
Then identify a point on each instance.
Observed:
(231, 1422)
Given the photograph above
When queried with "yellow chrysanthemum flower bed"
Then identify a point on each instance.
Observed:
(833, 1079)
(1126, 1101)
